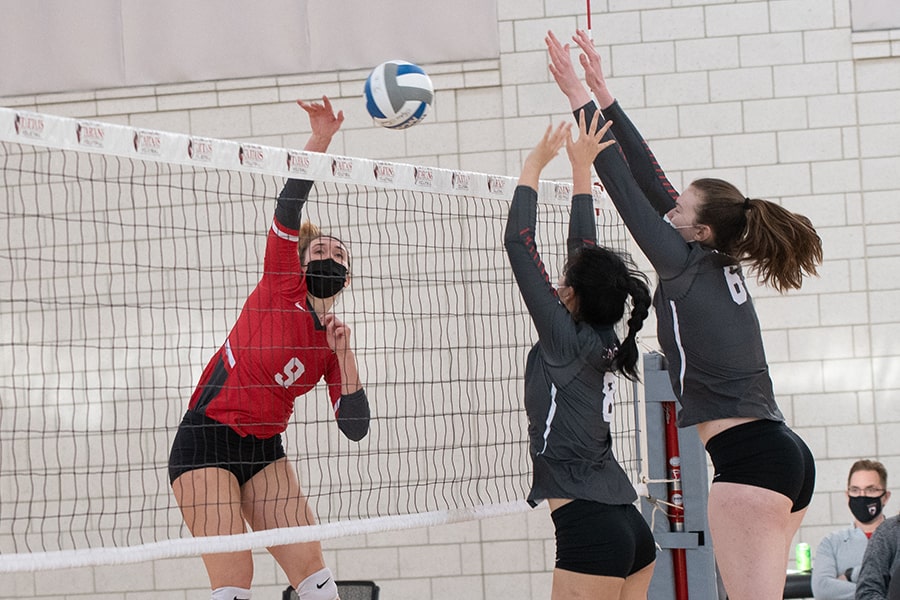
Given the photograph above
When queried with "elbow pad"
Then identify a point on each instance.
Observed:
(353, 415)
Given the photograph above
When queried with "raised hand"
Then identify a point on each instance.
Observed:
(564, 72)
(323, 121)
(583, 150)
(546, 149)
(593, 68)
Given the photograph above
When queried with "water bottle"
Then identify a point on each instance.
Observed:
(803, 558)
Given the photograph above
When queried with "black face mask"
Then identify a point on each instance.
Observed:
(864, 509)
(325, 278)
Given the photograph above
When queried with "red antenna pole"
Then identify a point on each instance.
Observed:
(589, 19)
(676, 514)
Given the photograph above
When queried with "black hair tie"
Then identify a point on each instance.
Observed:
(746, 203)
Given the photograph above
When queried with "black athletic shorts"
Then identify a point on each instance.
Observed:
(602, 539)
(202, 442)
(765, 454)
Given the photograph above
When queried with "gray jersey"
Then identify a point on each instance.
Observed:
(706, 323)
(569, 390)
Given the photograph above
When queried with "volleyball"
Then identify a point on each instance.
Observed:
(398, 94)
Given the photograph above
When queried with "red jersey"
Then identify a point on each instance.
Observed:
(276, 351)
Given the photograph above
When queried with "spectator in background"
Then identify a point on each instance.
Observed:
(880, 562)
(893, 592)
(840, 554)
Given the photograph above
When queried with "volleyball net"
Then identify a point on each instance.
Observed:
(125, 258)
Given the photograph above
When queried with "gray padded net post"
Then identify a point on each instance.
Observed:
(695, 539)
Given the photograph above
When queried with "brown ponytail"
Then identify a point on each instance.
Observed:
(780, 245)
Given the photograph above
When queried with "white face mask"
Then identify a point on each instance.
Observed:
(674, 226)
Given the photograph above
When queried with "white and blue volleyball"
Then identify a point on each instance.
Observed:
(398, 94)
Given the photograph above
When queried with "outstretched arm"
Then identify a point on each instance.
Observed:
(324, 123)
(663, 246)
(519, 239)
(554, 325)
(582, 152)
(281, 258)
(644, 167)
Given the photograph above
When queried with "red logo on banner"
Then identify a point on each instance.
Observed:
(460, 180)
(342, 167)
(562, 192)
(297, 162)
(147, 142)
(251, 155)
(90, 134)
(384, 172)
(29, 125)
(200, 149)
(424, 176)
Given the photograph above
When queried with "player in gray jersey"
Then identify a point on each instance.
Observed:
(604, 548)
(709, 332)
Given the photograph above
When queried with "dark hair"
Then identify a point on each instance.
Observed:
(602, 280)
(869, 465)
(780, 245)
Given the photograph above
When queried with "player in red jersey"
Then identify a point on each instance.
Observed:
(227, 465)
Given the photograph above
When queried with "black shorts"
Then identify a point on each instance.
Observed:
(765, 454)
(602, 539)
(202, 442)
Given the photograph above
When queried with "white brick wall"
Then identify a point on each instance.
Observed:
(779, 97)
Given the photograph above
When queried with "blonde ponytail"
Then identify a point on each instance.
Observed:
(308, 232)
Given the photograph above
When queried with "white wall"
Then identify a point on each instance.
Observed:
(54, 45)
(780, 97)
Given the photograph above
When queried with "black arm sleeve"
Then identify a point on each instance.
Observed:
(641, 161)
(354, 415)
(555, 327)
(290, 202)
(663, 245)
(582, 225)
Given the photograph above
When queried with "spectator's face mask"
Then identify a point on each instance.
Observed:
(864, 508)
